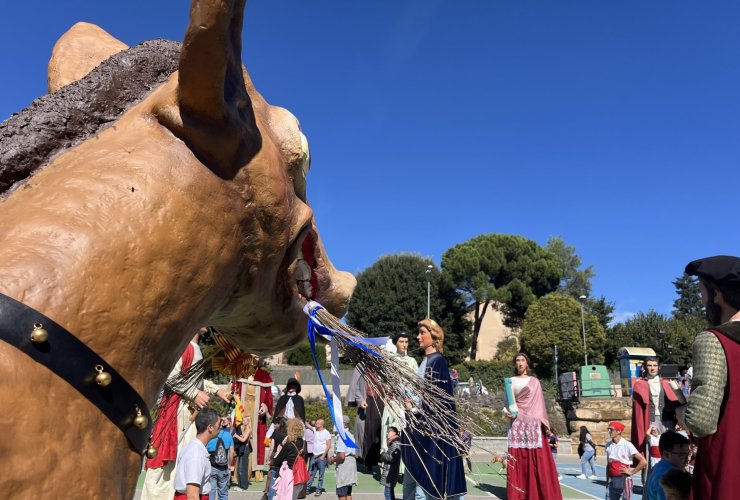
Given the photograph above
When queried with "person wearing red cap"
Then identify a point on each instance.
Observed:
(713, 408)
(620, 454)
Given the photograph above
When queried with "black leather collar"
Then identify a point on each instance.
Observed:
(74, 362)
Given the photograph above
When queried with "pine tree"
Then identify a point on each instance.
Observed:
(688, 303)
(391, 297)
(502, 271)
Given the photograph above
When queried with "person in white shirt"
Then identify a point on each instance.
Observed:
(620, 454)
(321, 445)
(173, 428)
(308, 439)
(193, 479)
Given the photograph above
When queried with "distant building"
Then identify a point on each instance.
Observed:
(492, 332)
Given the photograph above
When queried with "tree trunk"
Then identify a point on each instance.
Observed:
(479, 315)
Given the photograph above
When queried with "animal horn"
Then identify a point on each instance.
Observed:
(218, 120)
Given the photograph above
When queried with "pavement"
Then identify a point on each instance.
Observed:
(484, 483)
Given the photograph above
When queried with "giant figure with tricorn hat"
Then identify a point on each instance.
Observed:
(153, 192)
(713, 408)
(290, 404)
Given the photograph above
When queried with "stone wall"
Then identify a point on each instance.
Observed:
(595, 414)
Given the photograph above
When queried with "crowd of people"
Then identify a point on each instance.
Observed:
(427, 468)
(205, 451)
(681, 435)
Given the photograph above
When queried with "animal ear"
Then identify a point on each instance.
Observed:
(216, 111)
(78, 52)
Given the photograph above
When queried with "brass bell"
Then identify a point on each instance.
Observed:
(140, 421)
(152, 452)
(103, 378)
(39, 335)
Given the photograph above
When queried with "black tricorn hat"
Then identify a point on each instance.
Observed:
(721, 269)
(294, 382)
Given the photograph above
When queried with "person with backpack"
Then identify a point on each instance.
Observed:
(221, 449)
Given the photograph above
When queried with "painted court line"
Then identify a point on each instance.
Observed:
(476, 484)
(587, 495)
(568, 493)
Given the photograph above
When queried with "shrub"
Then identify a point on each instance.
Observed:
(302, 356)
(491, 373)
(317, 408)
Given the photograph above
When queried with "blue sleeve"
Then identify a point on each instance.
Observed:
(228, 440)
(654, 491)
(440, 372)
(211, 446)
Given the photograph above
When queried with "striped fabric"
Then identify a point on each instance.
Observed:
(232, 361)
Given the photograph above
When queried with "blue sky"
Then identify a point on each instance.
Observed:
(614, 125)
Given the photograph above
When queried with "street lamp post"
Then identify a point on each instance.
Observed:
(582, 299)
(429, 290)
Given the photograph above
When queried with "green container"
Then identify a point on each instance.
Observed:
(595, 382)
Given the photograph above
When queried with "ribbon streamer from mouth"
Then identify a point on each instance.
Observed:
(334, 399)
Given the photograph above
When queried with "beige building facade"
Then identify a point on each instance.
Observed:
(492, 332)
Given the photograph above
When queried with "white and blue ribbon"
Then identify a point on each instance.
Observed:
(334, 400)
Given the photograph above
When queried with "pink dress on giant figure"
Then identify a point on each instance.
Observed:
(532, 474)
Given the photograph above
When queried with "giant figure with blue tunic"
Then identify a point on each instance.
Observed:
(434, 468)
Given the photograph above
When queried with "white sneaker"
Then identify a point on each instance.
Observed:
(593, 476)
(581, 476)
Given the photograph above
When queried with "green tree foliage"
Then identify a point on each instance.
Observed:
(317, 408)
(603, 309)
(556, 319)
(302, 355)
(391, 296)
(490, 373)
(501, 270)
(680, 336)
(575, 282)
(639, 331)
(507, 349)
(688, 302)
(673, 346)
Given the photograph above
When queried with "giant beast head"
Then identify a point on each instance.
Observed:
(160, 170)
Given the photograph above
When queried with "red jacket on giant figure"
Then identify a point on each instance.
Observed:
(643, 411)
